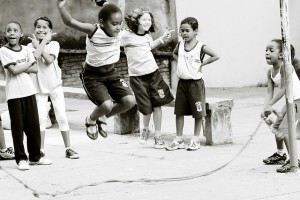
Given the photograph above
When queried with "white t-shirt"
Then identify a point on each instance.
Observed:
(102, 49)
(20, 85)
(138, 52)
(189, 62)
(48, 77)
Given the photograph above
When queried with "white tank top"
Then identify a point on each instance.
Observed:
(295, 79)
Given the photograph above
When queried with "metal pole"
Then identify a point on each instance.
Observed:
(289, 84)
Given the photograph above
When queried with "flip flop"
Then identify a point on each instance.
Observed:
(101, 131)
(93, 136)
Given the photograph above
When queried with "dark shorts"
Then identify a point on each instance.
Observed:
(103, 83)
(190, 98)
(150, 91)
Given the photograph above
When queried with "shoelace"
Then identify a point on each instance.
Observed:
(9, 150)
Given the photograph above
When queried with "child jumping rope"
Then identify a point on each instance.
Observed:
(190, 95)
(18, 61)
(48, 83)
(274, 57)
(99, 77)
(151, 91)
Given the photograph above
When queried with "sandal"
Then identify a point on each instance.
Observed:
(93, 136)
(102, 132)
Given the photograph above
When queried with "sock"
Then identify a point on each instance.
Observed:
(67, 148)
(196, 138)
(157, 133)
(178, 138)
(42, 150)
(90, 121)
(280, 151)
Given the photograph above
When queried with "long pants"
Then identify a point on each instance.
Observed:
(24, 118)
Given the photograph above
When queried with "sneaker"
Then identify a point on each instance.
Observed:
(42, 161)
(159, 143)
(8, 154)
(176, 144)
(42, 154)
(23, 165)
(193, 145)
(275, 159)
(286, 167)
(70, 153)
(144, 136)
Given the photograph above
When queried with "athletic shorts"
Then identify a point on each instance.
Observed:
(190, 98)
(101, 86)
(283, 127)
(150, 91)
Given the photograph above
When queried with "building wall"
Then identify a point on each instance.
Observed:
(238, 30)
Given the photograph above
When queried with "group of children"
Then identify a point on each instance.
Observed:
(32, 73)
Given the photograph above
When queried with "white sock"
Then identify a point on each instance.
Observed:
(280, 151)
(67, 148)
(42, 150)
(90, 121)
(157, 133)
(178, 138)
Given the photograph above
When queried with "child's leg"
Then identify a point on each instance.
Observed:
(2, 138)
(32, 128)
(198, 126)
(15, 112)
(43, 107)
(126, 103)
(179, 125)
(157, 118)
(146, 121)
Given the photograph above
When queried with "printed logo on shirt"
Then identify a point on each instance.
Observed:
(124, 84)
(161, 93)
(198, 106)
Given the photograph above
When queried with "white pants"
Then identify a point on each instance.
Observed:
(58, 102)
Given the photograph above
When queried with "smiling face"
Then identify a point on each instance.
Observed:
(273, 53)
(187, 32)
(41, 29)
(13, 33)
(113, 25)
(145, 23)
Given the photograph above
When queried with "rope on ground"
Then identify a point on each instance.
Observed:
(142, 180)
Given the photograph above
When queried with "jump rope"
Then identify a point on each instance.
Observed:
(142, 180)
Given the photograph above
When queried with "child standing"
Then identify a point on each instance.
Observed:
(18, 62)
(99, 77)
(190, 95)
(151, 91)
(5, 153)
(274, 57)
(48, 83)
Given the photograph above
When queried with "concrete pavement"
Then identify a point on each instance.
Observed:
(118, 167)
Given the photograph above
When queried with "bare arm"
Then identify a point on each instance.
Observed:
(71, 22)
(213, 56)
(19, 68)
(166, 36)
(32, 69)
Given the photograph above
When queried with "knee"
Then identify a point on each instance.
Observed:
(107, 106)
(129, 101)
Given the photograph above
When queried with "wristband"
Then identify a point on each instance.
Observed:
(161, 40)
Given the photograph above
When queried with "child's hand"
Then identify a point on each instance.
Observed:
(61, 3)
(49, 35)
(267, 110)
(34, 41)
(168, 34)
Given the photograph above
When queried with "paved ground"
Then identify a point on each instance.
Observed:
(119, 168)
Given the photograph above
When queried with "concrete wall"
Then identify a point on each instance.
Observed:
(239, 31)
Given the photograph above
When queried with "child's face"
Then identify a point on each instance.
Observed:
(113, 26)
(41, 29)
(13, 33)
(145, 22)
(187, 32)
(273, 53)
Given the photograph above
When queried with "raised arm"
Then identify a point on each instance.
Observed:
(71, 22)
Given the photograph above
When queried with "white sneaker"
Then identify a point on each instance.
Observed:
(144, 136)
(159, 143)
(23, 165)
(42, 161)
(176, 144)
(194, 145)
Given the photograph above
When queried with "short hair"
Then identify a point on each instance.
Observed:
(132, 18)
(45, 19)
(191, 21)
(14, 22)
(280, 46)
(107, 10)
